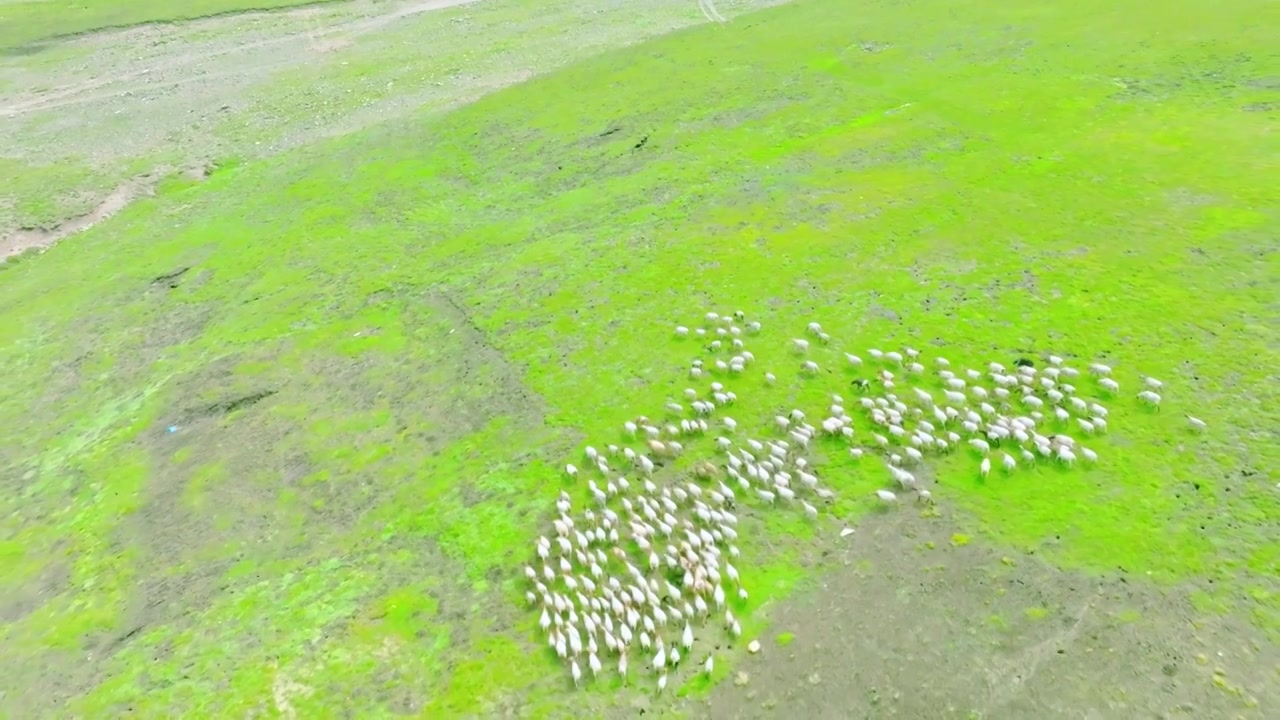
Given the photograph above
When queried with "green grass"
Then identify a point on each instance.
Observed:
(63, 164)
(447, 308)
(23, 22)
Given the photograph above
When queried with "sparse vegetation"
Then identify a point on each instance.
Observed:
(276, 442)
(25, 22)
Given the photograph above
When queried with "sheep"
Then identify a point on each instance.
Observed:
(682, 331)
(696, 519)
(1109, 384)
(1150, 397)
(800, 345)
(1197, 424)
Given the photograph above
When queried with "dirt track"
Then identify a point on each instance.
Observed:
(103, 117)
(299, 33)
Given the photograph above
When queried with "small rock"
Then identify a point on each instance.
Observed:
(846, 532)
(769, 704)
(753, 647)
(814, 679)
(740, 679)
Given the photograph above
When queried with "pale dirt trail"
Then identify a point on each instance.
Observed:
(125, 106)
(357, 23)
(303, 32)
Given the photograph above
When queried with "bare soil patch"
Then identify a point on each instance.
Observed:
(322, 29)
(39, 238)
(899, 628)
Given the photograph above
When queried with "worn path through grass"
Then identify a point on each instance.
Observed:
(280, 442)
(162, 104)
(23, 22)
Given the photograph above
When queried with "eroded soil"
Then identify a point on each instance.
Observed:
(909, 624)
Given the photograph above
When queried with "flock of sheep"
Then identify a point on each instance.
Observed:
(636, 576)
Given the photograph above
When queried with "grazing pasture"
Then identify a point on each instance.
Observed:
(282, 441)
(27, 22)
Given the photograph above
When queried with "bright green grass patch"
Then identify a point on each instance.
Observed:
(27, 21)
(785, 639)
(448, 309)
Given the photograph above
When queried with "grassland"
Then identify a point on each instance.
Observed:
(83, 117)
(279, 441)
(23, 22)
